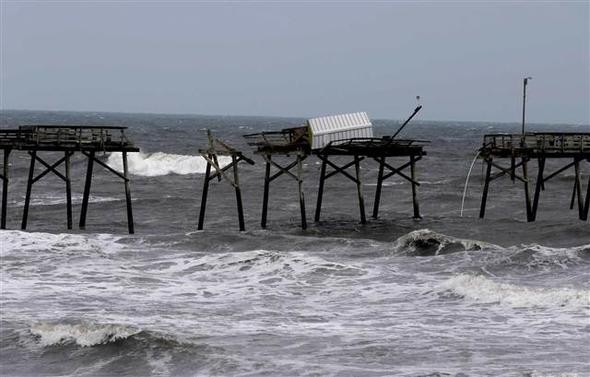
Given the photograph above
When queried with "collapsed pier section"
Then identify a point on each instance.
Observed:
(337, 137)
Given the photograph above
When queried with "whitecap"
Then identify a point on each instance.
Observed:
(82, 334)
(477, 288)
(159, 163)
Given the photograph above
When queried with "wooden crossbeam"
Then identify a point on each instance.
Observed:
(300, 156)
(215, 149)
(342, 170)
(49, 169)
(397, 171)
(91, 159)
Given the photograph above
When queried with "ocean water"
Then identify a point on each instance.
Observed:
(441, 296)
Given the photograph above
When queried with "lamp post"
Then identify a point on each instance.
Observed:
(524, 84)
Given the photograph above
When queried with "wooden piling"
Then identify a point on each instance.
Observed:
(204, 197)
(527, 191)
(33, 155)
(318, 207)
(484, 196)
(87, 185)
(359, 189)
(238, 194)
(377, 200)
(301, 194)
(130, 224)
(414, 188)
(587, 204)
(578, 188)
(266, 192)
(538, 187)
(5, 180)
(68, 189)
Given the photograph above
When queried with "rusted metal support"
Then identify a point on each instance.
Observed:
(359, 189)
(484, 197)
(130, 224)
(538, 187)
(204, 196)
(87, 184)
(377, 200)
(29, 188)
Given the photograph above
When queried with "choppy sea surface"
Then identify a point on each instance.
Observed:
(441, 296)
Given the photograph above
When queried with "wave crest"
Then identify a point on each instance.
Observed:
(159, 163)
(83, 334)
(481, 289)
(424, 242)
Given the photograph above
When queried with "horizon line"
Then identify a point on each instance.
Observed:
(285, 116)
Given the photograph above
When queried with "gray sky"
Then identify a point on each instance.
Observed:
(284, 58)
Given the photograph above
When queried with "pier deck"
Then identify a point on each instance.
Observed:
(68, 139)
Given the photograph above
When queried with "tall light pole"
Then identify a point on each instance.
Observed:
(524, 84)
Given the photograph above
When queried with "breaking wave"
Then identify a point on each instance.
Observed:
(159, 163)
(424, 242)
(82, 334)
(481, 289)
(17, 242)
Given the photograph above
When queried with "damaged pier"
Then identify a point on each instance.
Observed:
(336, 137)
(521, 150)
(66, 139)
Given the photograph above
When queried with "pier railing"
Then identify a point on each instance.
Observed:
(547, 142)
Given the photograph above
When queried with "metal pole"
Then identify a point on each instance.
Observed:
(524, 84)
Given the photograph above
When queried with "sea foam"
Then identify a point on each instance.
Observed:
(82, 334)
(159, 163)
(481, 289)
(424, 242)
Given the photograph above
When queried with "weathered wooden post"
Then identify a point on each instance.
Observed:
(68, 189)
(87, 183)
(33, 155)
(130, 224)
(5, 179)
(484, 196)
(217, 148)
(377, 200)
(359, 189)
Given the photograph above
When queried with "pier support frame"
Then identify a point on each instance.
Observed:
(297, 164)
(381, 176)
(211, 155)
(91, 159)
(531, 206)
(341, 170)
(49, 168)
